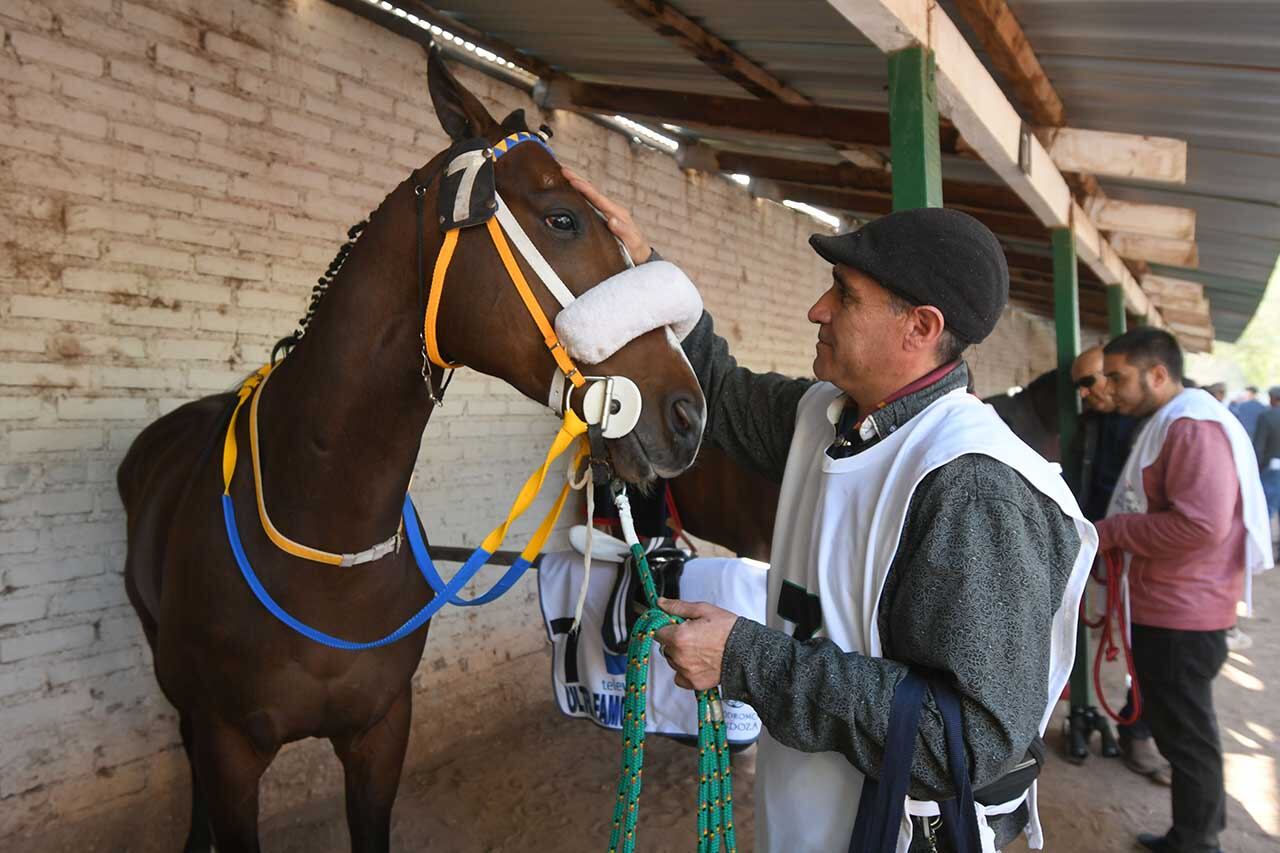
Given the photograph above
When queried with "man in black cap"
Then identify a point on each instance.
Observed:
(915, 534)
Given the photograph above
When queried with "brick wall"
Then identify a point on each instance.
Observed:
(173, 176)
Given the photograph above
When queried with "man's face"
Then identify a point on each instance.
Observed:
(1091, 382)
(857, 329)
(1133, 387)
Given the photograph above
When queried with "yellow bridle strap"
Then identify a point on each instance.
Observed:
(549, 522)
(229, 449)
(549, 337)
(433, 300)
(570, 430)
(284, 543)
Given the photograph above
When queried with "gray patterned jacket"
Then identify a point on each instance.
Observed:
(980, 570)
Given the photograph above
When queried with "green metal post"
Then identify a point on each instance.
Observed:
(1066, 318)
(1115, 310)
(913, 129)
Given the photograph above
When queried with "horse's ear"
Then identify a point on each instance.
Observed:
(461, 114)
(515, 122)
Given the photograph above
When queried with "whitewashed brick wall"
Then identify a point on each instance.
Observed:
(173, 176)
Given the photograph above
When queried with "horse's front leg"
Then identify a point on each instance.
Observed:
(372, 760)
(229, 766)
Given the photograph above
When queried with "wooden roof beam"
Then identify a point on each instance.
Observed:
(1002, 37)
(1120, 155)
(671, 23)
(730, 63)
(1072, 150)
(979, 110)
(874, 203)
(703, 158)
(835, 125)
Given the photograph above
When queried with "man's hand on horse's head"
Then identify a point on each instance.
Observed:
(695, 648)
(616, 216)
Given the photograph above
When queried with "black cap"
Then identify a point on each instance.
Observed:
(930, 256)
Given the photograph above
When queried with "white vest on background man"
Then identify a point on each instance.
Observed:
(1130, 495)
(836, 534)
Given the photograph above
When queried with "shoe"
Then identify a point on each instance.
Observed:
(1237, 640)
(1141, 756)
(1157, 843)
(1162, 776)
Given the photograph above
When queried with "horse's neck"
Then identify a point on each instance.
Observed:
(342, 417)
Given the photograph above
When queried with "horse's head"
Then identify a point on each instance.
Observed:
(483, 321)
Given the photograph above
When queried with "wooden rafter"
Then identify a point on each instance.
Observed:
(710, 49)
(835, 125)
(872, 203)
(1001, 35)
(992, 127)
(841, 176)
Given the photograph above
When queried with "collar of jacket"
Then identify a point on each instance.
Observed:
(850, 432)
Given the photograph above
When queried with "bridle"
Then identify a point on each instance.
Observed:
(610, 403)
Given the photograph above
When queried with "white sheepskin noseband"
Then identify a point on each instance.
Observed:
(621, 308)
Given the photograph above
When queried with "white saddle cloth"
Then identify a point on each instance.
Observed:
(590, 682)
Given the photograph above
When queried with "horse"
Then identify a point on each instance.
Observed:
(339, 431)
(724, 502)
(1032, 414)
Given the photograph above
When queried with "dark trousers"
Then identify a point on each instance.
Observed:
(1138, 729)
(1176, 671)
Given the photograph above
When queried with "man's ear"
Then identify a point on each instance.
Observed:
(925, 326)
(1160, 373)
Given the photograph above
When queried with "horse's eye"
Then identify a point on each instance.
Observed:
(561, 221)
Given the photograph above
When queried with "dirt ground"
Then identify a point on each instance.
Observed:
(549, 784)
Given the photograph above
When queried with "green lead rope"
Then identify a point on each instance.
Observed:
(715, 777)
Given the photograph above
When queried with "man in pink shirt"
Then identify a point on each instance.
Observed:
(1186, 573)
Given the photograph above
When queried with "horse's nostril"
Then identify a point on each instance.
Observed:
(685, 417)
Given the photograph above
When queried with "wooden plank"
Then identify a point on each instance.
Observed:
(840, 175)
(1185, 317)
(1166, 287)
(1156, 220)
(1158, 250)
(1120, 155)
(710, 49)
(732, 64)
(1006, 44)
(870, 203)
(834, 125)
(969, 96)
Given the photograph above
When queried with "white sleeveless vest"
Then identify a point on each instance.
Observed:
(1130, 494)
(836, 534)
(591, 683)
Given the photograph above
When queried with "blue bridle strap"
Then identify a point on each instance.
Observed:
(445, 593)
(505, 145)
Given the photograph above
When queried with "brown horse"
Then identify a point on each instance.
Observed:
(339, 430)
(726, 503)
(733, 506)
(1032, 414)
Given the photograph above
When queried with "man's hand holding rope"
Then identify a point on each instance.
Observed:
(695, 647)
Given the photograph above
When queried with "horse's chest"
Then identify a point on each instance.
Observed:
(340, 692)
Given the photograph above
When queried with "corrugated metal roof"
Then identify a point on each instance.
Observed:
(1204, 71)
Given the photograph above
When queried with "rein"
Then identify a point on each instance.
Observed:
(715, 774)
(572, 427)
